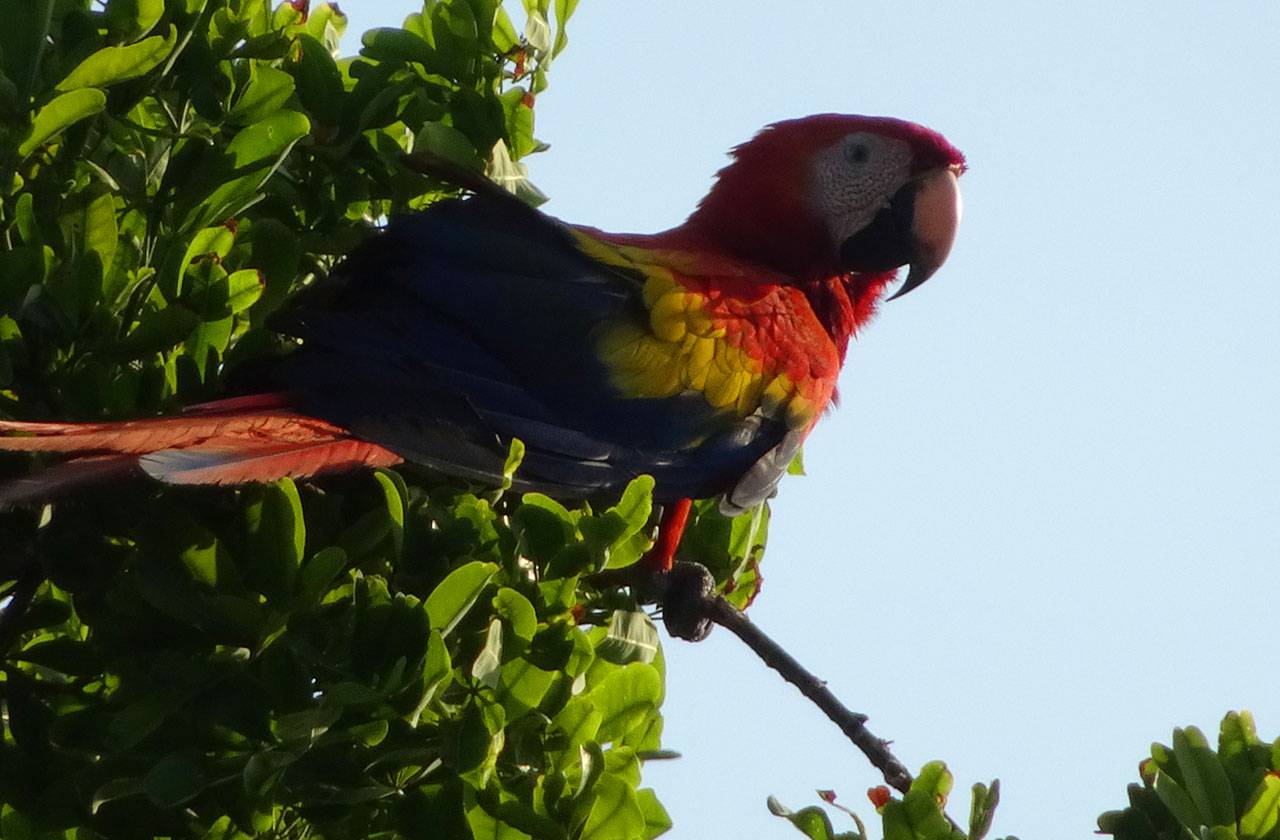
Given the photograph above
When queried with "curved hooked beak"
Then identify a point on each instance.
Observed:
(936, 219)
(916, 229)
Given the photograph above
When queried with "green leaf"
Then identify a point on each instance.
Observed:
(448, 144)
(112, 65)
(1262, 812)
(505, 37)
(580, 721)
(610, 812)
(485, 826)
(609, 534)
(1175, 798)
(812, 821)
(320, 571)
(265, 94)
(397, 45)
(1203, 777)
(211, 244)
(564, 10)
(518, 613)
(982, 809)
(632, 637)
(277, 535)
(537, 32)
(454, 596)
(394, 494)
(305, 726)
(174, 780)
(625, 699)
(63, 654)
(488, 664)
(130, 19)
(61, 113)
(326, 24)
(98, 224)
(522, 687)
(437, 669)
(515, 456)
(244, 289)
(113, 790)
(268, 139)
(513, 176)
(656, 820)
(591, 764)
(200, 556)
(22, 42)
(319, 81)
(157, 330)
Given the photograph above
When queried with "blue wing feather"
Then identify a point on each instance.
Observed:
(474, 322)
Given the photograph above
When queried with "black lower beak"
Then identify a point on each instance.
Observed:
(917, 228)
(886, 243)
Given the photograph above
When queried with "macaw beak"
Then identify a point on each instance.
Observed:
(917, 229)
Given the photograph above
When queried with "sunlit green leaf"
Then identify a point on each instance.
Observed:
(625, 698)
(266, 92)
(244, 289)
(564, 10)
(112, 65)
(611, 810)
(63, 111)
(454, 596)
(518, 613)
(1262, 813)
(268, 139)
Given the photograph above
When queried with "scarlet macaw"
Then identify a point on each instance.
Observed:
(702, 355)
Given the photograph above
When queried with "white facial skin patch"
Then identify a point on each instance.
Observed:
(854, 179)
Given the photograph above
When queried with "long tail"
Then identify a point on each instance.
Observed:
(258, 438)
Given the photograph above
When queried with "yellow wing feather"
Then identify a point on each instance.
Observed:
(684, 346)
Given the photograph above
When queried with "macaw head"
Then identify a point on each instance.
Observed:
(836, 194)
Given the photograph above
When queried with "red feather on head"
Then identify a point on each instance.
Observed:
(758, 206)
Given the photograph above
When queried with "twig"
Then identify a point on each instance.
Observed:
(691, 604)
(851, 723)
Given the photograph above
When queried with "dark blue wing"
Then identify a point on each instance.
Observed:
(473, 322)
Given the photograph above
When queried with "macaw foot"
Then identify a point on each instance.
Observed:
(687, 590)
(683, 589)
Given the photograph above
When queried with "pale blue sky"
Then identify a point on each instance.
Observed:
(1044, 526)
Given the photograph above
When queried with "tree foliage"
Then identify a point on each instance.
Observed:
(377, 655)
(1190, 790)
(371, 655)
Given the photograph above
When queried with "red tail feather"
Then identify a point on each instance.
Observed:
(68, 475)
(226, 442)
(230, 466)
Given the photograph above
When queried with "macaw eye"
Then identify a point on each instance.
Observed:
(857, 152)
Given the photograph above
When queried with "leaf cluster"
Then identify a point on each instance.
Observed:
(919, 814)
(366, 659)
(365, 656)
(1189, 791)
